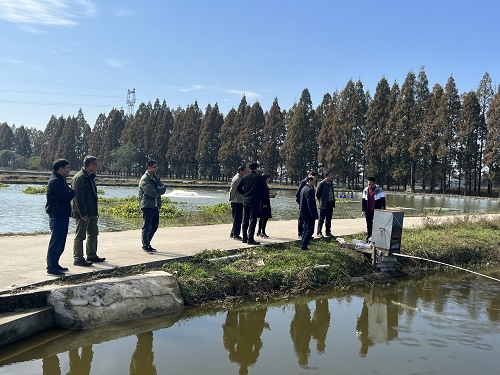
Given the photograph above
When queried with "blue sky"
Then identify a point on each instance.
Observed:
(59, 55)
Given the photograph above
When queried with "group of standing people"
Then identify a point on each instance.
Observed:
(373, 198)
(249, 196)
(79, 200)
(306, 196)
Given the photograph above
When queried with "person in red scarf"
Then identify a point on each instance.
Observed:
(373, 199)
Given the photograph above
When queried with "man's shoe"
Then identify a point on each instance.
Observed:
(147, 250)
(320, 235)
(96, 260)
(304, 248)
(152, 249)
(329, 235)
(251, 241)
(238, 238)
(55, 273)
(263, 235)
(244, 240)
(82, 263)
(300, 236)
(62, 269)
(231, 236)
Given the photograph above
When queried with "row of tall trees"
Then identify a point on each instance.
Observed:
(406, 136)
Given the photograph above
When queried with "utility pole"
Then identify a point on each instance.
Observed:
(130, 102)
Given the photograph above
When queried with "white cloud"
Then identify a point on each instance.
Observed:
(193, 88)
(45, 12)
(114, 63)
(248, 94)
(122, 12)
(13, 61)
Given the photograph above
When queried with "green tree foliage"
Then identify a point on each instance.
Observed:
(124, 160)
(467, 128)
(273, 136)
(452, 110)
(402, 131)
(22, 144)
(209, 143)
(300, 142)
(485, 94)
(161, 137)
(106, 136)
(7, 158)
(230, 138)
(6, 137)
(239, 124)
(253, 126)
(432, 147)
(403, 137)
(346, 126)
(82, 139)
(183, 143)
(377, 133)
(51, 137)
(492, 147)
(421, 97)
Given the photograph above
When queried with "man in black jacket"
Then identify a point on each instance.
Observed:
(58, 207)
(308, 210)
(251, 187)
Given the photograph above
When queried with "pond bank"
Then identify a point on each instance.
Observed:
(305, 273)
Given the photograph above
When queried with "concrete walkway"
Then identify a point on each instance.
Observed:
(24, 257)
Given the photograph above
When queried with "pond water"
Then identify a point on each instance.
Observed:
(25, 213)
(442, 324)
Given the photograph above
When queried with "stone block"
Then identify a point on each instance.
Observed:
(114, 300)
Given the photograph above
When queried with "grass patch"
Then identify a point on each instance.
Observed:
(465, 242)
(283, 268)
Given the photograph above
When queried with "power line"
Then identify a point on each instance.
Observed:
(60, 93)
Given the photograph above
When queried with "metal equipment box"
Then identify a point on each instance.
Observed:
(387, 230)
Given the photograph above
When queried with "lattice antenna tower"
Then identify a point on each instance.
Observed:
(130, 102)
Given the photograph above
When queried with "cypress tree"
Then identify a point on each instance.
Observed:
(492, 146)
(273, 136)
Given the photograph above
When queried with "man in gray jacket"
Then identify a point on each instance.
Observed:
(236, 200)
(150, 191)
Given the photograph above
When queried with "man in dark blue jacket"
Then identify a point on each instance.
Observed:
(308, 210)
(58, 207)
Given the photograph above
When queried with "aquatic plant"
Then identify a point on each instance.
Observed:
(35, 190)
(129, 207)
